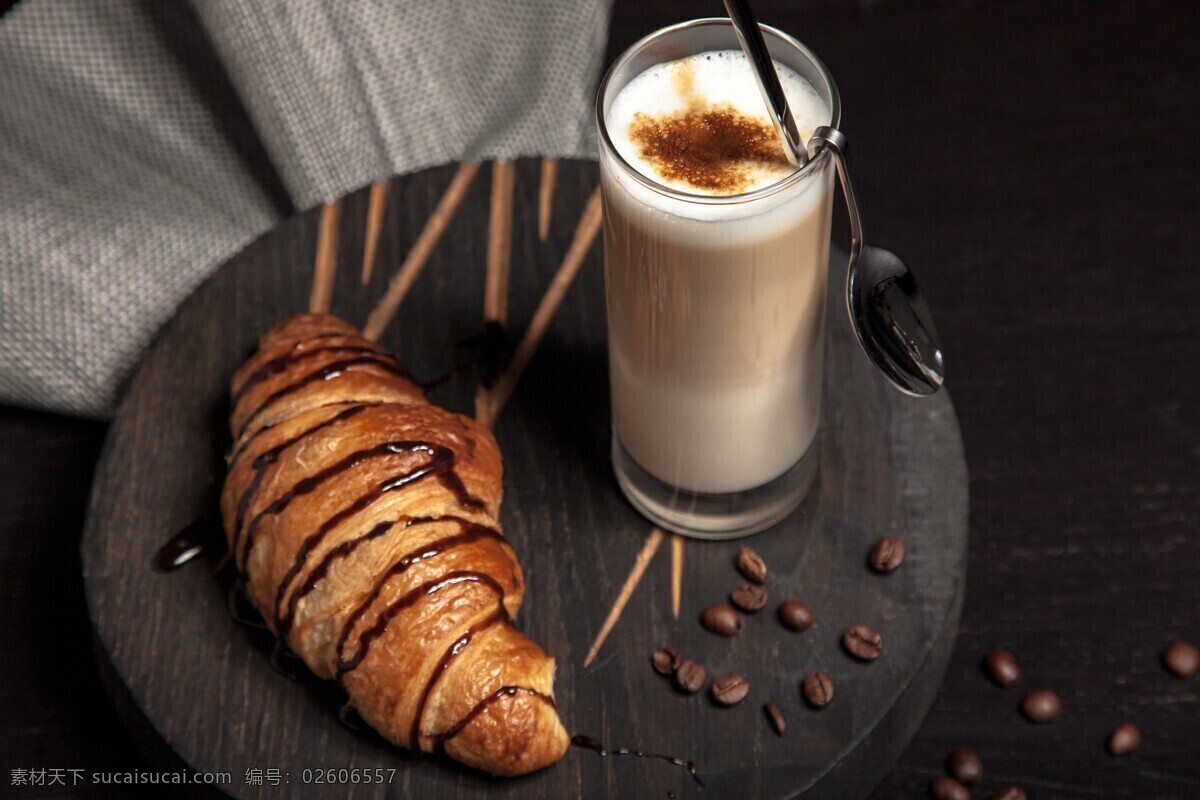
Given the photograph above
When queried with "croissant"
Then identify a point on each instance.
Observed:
(364, 523)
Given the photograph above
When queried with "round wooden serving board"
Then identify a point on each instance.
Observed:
(889, 464)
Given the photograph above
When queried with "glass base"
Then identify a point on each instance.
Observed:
(713, 516)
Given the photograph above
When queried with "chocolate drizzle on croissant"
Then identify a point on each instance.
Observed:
(363, 520)
(278, 365)
(470, 533)
(328, 372)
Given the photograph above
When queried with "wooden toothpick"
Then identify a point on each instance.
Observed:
(499, 260)
(585, 235)
(325, 265)
(375, 208)
(546, 196)
(483, 405)
(676, 573)
(499, 253)
(639, 568)
(389, 304)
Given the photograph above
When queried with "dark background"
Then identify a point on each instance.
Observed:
(1036, 164)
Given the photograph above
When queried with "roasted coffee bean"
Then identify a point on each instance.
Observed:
(1001, 667)
(721, 620)
(964, 765)
(1009, 793)
(1041, 705)
(729, 690)
(749, 598)
(887, 554)
(944, 787)
(775, 717)
(1124, 739)
(1182, 658)
(690, 677)
(750, 564)
(818, 689)
(862, 643)
(795, 615)
(666, 660)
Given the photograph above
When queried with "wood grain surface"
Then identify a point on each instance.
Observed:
(889, 464)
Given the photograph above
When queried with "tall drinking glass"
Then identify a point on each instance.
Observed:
(716, 314)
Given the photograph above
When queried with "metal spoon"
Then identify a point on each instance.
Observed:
(887, 311)
(755, 47)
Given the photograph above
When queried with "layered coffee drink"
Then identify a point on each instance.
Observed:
(716, 253)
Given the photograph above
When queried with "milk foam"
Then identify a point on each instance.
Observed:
(713, 80)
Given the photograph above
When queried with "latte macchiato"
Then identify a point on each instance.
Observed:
(716, 252)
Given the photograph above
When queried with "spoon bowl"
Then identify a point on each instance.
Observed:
(893, 322)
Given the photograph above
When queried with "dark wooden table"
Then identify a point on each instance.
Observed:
(1037, 165)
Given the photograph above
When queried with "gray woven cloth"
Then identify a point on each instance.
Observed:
(143, 142)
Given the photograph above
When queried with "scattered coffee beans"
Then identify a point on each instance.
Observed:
(946, 788)
(750, 564)
(1001, 667)
(690, 677)
(964, 765)
(721, 620)
(795, 615)
(862, 643)
(887, 554)
(749, 598)
(666, 660)
(1009, 793)
(1124, 739)
(1041, 706)
(729, 690)
(775, 717)
(1182, 658)
(818, 689)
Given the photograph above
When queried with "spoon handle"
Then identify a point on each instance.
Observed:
(834, 141)
(755, 47)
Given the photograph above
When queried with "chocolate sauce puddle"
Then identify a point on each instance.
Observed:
(178, 550)
(193, 540)
(588, 743)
